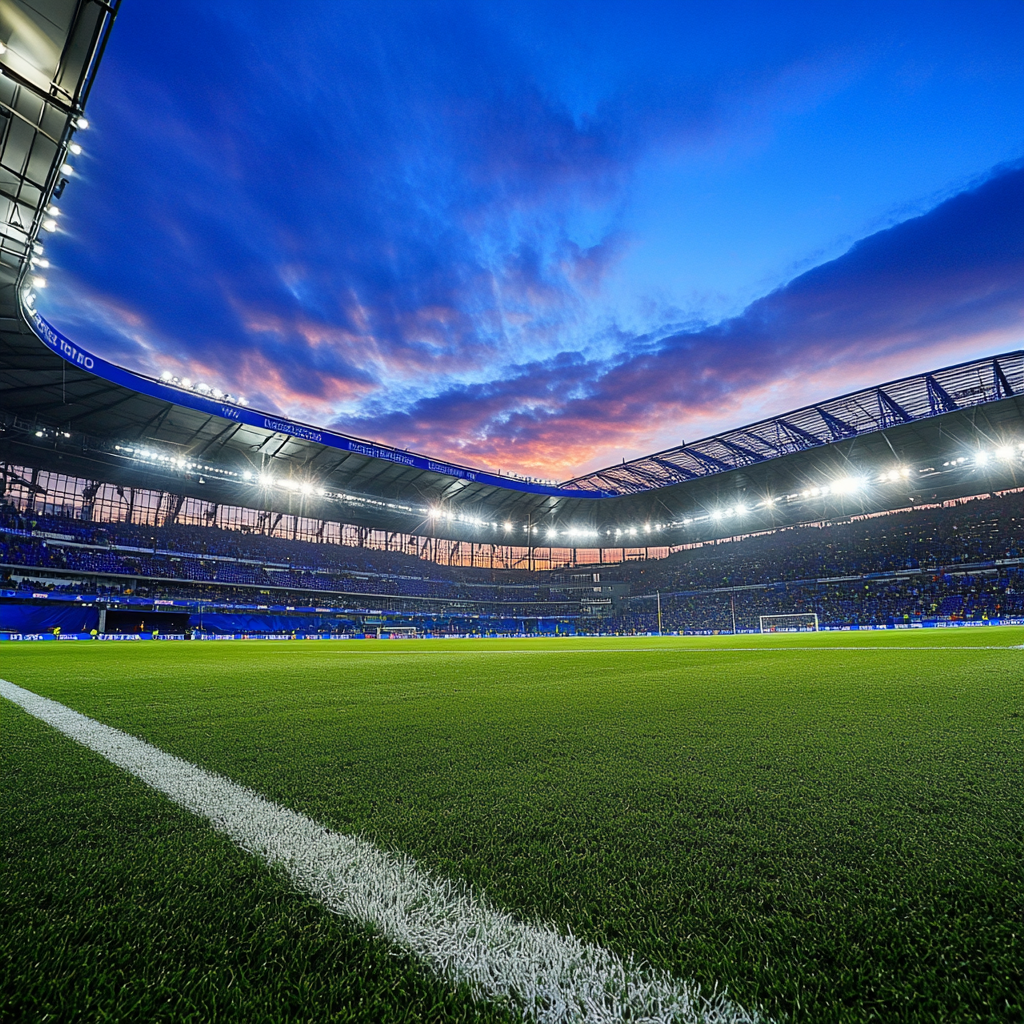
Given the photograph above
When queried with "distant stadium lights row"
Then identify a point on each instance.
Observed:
(51, 215)
(571, 535)
(187, 384)
(848, 485)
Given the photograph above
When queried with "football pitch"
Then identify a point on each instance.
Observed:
(828, 826)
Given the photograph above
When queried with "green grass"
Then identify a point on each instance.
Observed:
(836, 834)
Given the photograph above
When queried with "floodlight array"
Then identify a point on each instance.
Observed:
(862, 483)
(202, 388)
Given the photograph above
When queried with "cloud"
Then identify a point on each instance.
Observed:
(943, 287)
(396, 225)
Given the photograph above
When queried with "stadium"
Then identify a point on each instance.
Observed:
(739, 718)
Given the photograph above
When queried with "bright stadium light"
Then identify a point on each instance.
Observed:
(508, 526)
(38, 282)
(739, 510)
(847, 484)
(632, 531)
(67, 169)
(52, 210)
(49, 225)
(166, 375)
(75, 148)
(186, 382)
(1004, 452)
(246, 475)
(217, 393)
(82, 123)
(981, 458)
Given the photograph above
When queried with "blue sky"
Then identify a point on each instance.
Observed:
(547, 236)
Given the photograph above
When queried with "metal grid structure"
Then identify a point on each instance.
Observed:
(50, 52)
(897, 403)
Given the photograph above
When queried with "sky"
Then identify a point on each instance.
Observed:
(546, 237)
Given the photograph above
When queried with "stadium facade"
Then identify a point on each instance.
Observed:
(78, 431)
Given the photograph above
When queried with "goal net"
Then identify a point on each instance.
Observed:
(397, 632)
(800, 622)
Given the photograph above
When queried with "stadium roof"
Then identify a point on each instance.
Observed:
(923, 438)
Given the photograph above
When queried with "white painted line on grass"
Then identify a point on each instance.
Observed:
(550, 977)
(383, 652)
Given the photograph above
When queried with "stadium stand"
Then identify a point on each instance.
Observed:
(952, 563)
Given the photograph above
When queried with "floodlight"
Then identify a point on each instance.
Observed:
(981, 458)
(508, 526)
(217, 393)
(50, 225)
(247, 475)
(632, 531)
(306, 489)
(40, 262)
(75, 148)
(202, 388)
(242, 400)
(52, 210)
(1004, 452)
(66, 169)
(739, 510)
(81, 123)
(186, 382)
(846, 484)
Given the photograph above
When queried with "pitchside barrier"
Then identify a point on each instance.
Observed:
(1019, 621)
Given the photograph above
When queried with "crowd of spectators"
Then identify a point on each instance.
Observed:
(844, 572)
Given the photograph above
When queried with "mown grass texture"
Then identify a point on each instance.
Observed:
(831, 826)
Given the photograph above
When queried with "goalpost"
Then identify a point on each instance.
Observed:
(397, 632)
(799, 622)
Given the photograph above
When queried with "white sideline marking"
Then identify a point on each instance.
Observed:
(663, 650)
(548, 976)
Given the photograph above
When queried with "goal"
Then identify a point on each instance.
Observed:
(800, 622)
(397, 632)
